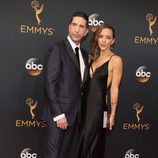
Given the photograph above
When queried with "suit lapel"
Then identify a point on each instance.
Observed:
(71, 53)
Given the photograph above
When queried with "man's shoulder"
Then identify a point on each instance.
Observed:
(56, 46)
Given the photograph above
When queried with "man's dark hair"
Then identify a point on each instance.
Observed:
(80, 14)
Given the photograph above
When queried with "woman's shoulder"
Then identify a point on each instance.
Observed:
(116, 57)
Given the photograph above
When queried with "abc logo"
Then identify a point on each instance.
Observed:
(33, 67)
(28, 155)
(94, 22)
(142, 74)
(130, 155)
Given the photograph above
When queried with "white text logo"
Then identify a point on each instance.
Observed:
(26, 153)
(94, 22)
(33, 67)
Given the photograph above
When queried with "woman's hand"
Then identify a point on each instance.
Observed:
(111, 121)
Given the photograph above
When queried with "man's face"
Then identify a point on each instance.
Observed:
(77, 29)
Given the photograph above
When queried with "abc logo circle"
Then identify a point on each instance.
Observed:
(94, 22)
(33, 67)
(143, 74)
(130, 155)
(28, 155)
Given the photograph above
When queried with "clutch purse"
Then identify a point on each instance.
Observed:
(105, 119)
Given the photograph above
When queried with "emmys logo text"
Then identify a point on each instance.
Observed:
(151, 38)
(138, 124)
(36, 30)
(37, 9)
(33, 122)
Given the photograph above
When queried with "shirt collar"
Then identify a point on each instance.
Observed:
(72, 43)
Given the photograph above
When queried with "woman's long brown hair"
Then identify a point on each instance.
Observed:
(95, 52)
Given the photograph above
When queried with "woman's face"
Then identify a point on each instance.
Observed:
(105, 39)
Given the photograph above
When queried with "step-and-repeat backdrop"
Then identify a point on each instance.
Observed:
(29, 28)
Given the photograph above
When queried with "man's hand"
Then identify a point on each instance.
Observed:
(62, 123)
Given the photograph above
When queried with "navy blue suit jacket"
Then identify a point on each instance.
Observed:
(62, 82)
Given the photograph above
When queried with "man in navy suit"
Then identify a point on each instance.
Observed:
(65, 75)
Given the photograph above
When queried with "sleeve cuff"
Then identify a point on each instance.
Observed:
(58, 117)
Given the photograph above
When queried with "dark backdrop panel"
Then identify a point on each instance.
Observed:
(22, 39)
